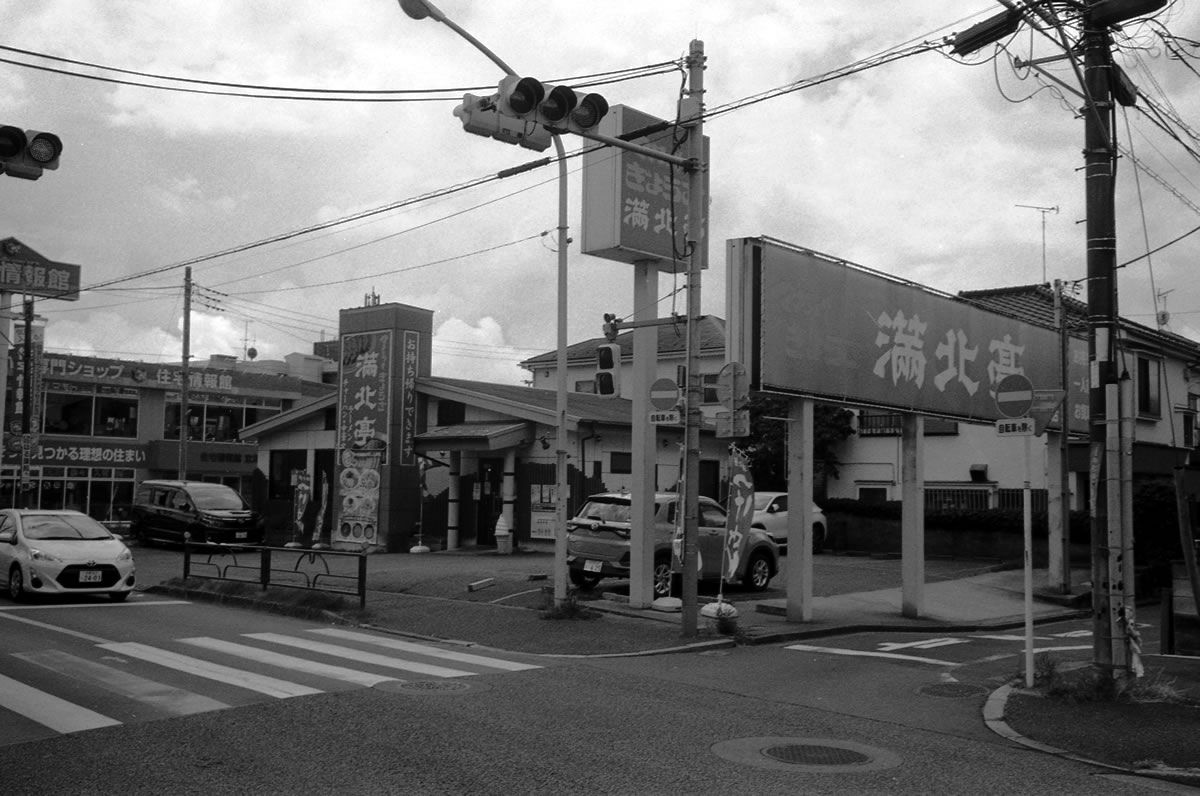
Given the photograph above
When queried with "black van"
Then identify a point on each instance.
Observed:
(171, 511)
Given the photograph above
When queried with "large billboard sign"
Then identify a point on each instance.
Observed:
(22, 270)
(635, 207)
(809, 325)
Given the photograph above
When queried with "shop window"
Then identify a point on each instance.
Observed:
(116, 417)
(283, 462)
(67, 413)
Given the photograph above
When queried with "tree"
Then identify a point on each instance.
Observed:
(766, 447)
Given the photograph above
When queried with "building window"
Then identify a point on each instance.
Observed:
(1149, 373)
(709, 383)
(620, 463)
(588, 386)
(88, 415)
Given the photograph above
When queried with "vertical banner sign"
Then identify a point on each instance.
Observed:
(408, 398)
(30, 441)
(364, 418)
(741, 513)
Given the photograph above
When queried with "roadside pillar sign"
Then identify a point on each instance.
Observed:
(1045, 404)
(733, 388)
(1014, 395)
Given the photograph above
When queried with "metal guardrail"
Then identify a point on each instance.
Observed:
(310, 569)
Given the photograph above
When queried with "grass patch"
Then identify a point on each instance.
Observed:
(1090, 684)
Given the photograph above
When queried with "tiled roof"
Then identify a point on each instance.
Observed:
(672, 341)
(585, 407)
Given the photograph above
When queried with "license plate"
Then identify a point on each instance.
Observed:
(593, 566)
(89, 576)
(241, 535)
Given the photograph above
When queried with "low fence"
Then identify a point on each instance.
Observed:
(340, 571)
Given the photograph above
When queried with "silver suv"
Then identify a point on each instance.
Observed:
(598, 543)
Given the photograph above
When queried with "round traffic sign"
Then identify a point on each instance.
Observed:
(664, 394)
(1014, 395)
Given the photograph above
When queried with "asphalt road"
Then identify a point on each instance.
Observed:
(764, 720)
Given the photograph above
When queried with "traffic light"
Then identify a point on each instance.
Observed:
(26, 153)
(480, 116)
(558, 108)
(608, 371)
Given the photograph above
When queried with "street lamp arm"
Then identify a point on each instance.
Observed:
(420, 9)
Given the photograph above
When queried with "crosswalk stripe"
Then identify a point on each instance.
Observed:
(271, 686)
(167, 698)
(289, 661)
(424, 649)
(358, 655)
(48, 710)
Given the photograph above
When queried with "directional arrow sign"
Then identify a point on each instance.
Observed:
(1014, 395)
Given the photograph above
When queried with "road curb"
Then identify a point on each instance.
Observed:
(993, 717)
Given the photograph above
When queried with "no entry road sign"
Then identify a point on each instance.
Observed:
(1014, 395)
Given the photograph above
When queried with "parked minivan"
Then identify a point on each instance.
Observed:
(172, 511)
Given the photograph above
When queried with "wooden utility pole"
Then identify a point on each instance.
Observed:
(184, 376)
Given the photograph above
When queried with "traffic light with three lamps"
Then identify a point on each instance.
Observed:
(524, 111)
(26, 153)
(608, 371)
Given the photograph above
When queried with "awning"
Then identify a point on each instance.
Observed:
(474, 437)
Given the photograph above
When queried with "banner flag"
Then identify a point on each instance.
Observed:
(741, 513)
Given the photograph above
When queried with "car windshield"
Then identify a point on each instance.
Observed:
(63, 526)
(762, 500)
(614, 510)
(215, 496)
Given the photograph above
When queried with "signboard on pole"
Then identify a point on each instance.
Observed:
(635, 207)
(664, 394)
(22, 270)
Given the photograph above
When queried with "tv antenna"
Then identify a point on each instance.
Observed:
(1043, 211)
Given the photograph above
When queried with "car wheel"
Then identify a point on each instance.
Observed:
(663, 578)
(585, 581)
(758, 572)
(16, 584)
(818, 537)
(118, 596)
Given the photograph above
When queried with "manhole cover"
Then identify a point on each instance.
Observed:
(814, 755)
(424, 686)
(952, 690)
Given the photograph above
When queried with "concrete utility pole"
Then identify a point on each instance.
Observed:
(692, 115)
(1099, 161)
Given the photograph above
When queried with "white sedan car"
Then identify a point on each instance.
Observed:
(62, 552)
(771, 514)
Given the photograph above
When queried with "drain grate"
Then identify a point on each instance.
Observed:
(816, 755)
(952, 690)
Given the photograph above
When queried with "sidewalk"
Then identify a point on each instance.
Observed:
(476, 596)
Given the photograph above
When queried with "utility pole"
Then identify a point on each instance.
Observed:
(184, 377)
(692, 114)
(1099, 160)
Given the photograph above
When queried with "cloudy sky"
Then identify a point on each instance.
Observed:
(194, 130)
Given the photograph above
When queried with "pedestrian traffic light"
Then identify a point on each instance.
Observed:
(480, 116)
(608, 371)
(26, 153)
